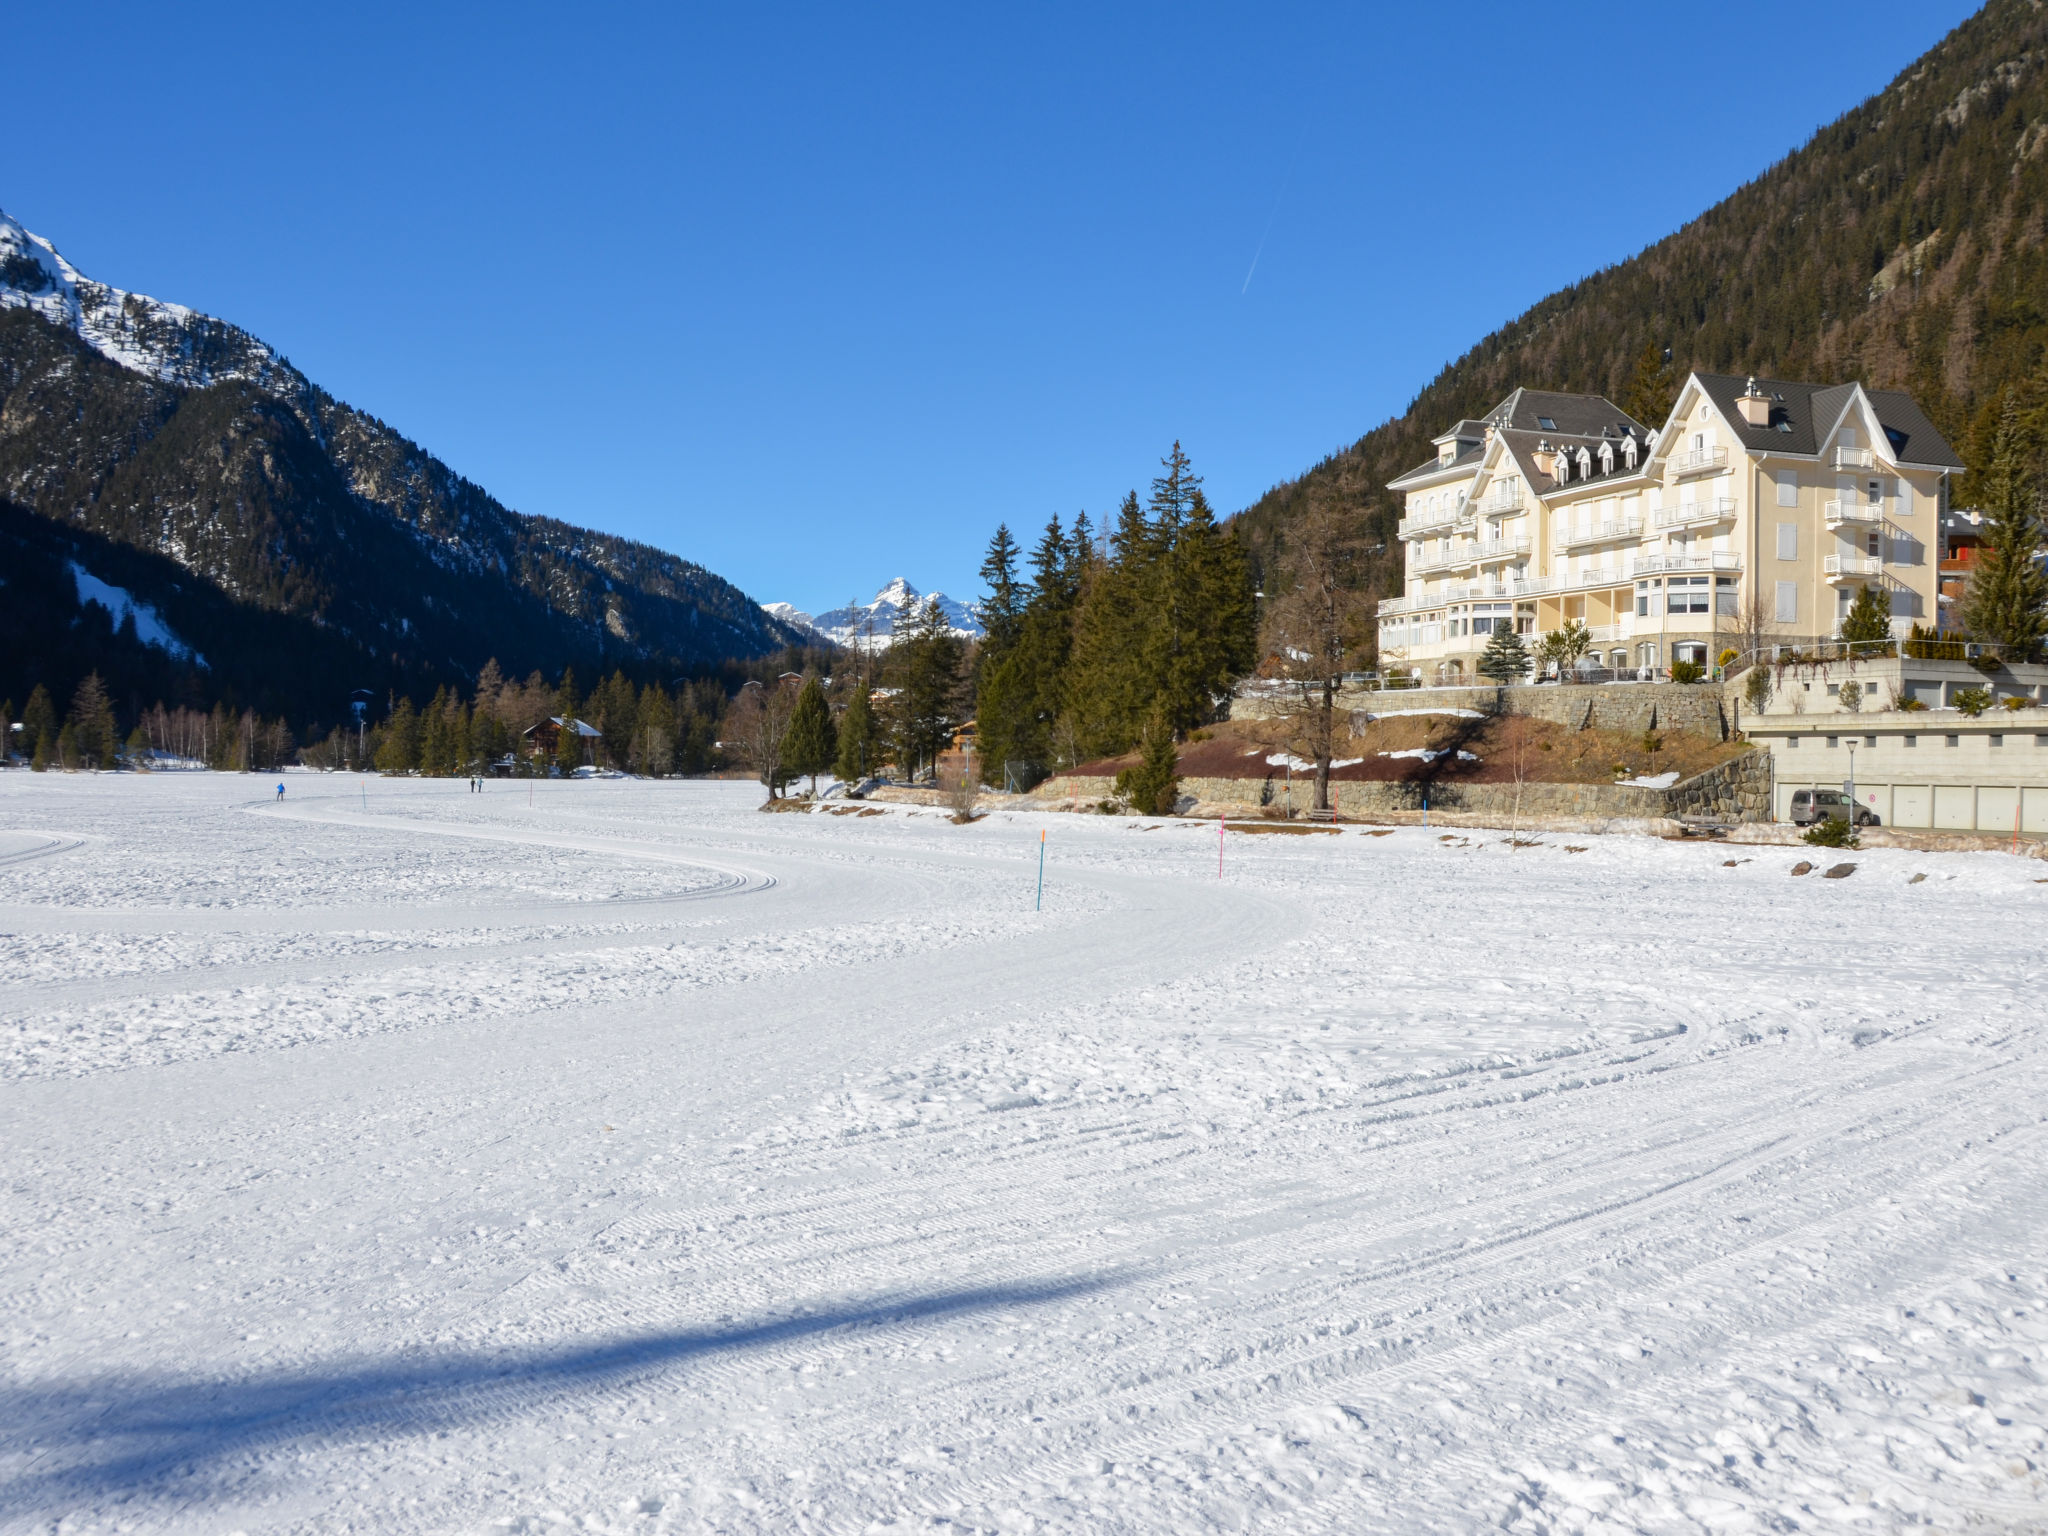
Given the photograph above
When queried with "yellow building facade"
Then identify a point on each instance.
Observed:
(1752, 515)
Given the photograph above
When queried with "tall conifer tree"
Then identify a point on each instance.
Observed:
(2007, 600)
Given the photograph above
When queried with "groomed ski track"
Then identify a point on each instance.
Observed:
(396, 1159)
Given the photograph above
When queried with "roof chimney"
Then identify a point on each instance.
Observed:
(1754, 405)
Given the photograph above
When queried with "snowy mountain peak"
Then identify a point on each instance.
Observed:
(148, 336)
(875, 622)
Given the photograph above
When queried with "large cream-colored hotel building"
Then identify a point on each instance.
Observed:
(1554, 507)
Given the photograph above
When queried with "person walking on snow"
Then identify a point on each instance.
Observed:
(280, 791)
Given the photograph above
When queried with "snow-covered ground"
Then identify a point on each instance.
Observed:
(397, 1159)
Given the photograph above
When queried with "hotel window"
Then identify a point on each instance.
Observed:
(1791, 742)
(1905, 498)
(1870, 742)
(1686, 594)
(1788, 541)
(1997, 740)
(1724, 596)
(1788, 602)
(1952, 741)
(1788, 487)
(1646, 599)
(1833, 742)
(1909, 741)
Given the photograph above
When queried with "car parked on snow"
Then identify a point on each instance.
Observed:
(1812, 805)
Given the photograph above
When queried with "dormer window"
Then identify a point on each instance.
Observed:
(1628, 450)
(1585, 462)
(1606, 458)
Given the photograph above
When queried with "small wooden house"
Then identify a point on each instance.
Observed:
(545, 740)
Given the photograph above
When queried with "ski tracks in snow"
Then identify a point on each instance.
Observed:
(1386, 1184)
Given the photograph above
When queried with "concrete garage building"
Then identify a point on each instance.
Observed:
(1932, 766)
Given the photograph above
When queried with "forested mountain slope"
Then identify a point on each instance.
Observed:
(1905, 245)
(128, 423)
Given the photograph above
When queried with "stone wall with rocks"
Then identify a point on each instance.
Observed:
(1737, 791)
(1697, 708)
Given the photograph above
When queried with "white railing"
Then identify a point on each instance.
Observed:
(1853, 565)
(1500, 549)
(1424, 522)
(1855, 458)
(1444, 560)
(1839, 512)
(1693, 460)
(1720, 560)
(1715, 510)
(1624, 528)
(1499, 503)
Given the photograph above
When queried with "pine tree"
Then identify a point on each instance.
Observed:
(1869, 617)
(2007, 599)
(924, 664)
(1207, 619)
(92, 723)
(1152, 787)
(39, 726)
(859, 737)
(435, 752)
(810, 743)
(1506, 658)
(654, 733)
(398, 750)
(1001, 610)
(1648, 395)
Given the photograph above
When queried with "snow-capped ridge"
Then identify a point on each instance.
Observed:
(149, 336)
(873, 623)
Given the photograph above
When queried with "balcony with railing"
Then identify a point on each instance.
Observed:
(1855, 458)
(1698, 461)
(1422, 524)
(1855, 512)
(1499, 503)
(1695, 514)
(1500, 549)
(1716, 560)
(1567, 537)
(1841, 568)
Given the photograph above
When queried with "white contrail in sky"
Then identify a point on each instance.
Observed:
(1247, 288)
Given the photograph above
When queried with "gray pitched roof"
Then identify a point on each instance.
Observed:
(1466, 458)
(1810, 409)
(1571, 415)
(1523, 446)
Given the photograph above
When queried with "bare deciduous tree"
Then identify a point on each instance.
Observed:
(754, 728)
(1319, 620)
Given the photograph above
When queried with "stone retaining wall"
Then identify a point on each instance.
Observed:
(1698, 708)
(1737, 790)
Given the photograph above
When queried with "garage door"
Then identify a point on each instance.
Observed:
(1998, 810)
(1912, 806)
(1955, 807)
(2034, 811)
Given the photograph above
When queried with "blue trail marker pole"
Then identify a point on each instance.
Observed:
(1039, 905)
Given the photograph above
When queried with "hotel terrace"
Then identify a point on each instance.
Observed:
(1556, 507)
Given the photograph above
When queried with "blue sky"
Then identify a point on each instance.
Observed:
(817, 297)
